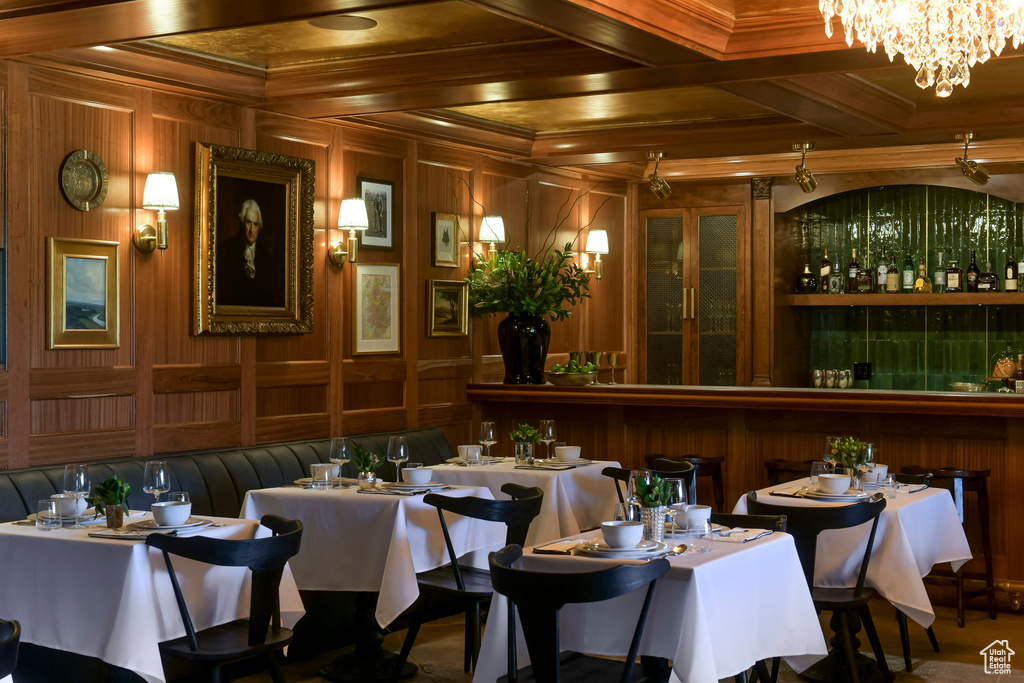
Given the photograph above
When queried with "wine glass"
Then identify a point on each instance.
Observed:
(819, 467)
(676, 500)
(156, 479)
(634, 476)
(547, 436)
(398, 452)
(613, 362)
(627, 512)
(487, 438)
(76, 483)
(341, 452)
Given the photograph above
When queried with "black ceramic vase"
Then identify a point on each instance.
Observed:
(524, 346)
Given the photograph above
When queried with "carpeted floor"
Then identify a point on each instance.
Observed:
(438, 650)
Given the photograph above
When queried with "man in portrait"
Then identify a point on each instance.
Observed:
(247, 274)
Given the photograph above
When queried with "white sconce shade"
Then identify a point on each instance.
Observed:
(492, 230)
(353, 215)
(597, 242)
(161, 192)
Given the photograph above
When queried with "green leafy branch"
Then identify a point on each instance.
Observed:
(524, 432)
(364, 460)
(111, 491)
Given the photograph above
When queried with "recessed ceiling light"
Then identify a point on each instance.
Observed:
(343, 22)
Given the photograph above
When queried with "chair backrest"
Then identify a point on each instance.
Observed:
(780, 471)
(539, 596)
(957, 482)
(517, 514)
(917, 479)
(805, 523)
(266, 557)
(767, 522)
(679, 469)
(619, 476)
(10, 641)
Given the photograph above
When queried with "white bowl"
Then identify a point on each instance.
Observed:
(877, 473)
(694, 513)
(171, 512)
(68, 505)
(834, 483)
(622, 534)
(567, 454)
(416, 475)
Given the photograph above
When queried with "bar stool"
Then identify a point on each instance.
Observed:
(958, 482)
(709, 467)
(780, 471)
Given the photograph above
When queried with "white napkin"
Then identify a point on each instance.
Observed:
(740, 535)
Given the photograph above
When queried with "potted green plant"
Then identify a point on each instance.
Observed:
(524, 436)
(527, 290)
(110, 498)
(366, 463)
(851, 454)
(653, 493)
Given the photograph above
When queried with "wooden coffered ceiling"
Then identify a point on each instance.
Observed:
(584, 83)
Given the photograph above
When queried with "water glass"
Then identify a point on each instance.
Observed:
(321, 472)
(47, 517)
(698, 535)
(819, 467)
(547, 436)
(627, 512)
(676, 500)
(890, 485)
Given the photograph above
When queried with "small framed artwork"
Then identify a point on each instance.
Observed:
(449, 308)
(378, 311)
(84, 287)
(379, 196)
(445, 229)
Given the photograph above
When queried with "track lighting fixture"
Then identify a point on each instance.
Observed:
(974, 171)
(659, 186)
(804, 178)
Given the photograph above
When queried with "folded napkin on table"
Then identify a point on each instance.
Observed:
(740, 535)
(563, 547)
(394, 492)
(552, 468)
(127, 535)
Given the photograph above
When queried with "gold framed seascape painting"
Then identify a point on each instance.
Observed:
(449, 308)
(253, 247)
(84, 294)
(377, 327)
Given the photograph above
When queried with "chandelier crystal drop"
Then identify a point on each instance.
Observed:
(941, 39)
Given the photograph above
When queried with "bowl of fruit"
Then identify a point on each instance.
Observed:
(572, 375)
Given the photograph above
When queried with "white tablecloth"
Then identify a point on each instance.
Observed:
(576, 499)
(715, 614)
(362, 542)
(113, 599)
(915, 532)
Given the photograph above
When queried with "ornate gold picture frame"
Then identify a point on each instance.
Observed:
(253, 243)
(83, 278)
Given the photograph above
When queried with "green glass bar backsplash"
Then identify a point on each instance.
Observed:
(922, 348)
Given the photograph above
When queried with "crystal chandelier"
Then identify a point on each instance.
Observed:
(942, 39)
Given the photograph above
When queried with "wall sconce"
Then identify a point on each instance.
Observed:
(804, 178)
(492, 231)
(659, 186)
(974, 171)
(160, 194)
(597, 244)
(351, 217)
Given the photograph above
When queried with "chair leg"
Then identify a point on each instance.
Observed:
(960, 598)
(931, 637)
(213, 675)
(741, 677)
(410, 638)
(846, 642)
(761, 671)
(876, 644)
(467, 650)
(473, 643)
(901, 619)
(776, 661)
(274, 667)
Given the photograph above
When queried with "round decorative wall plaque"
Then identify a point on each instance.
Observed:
(83, 178)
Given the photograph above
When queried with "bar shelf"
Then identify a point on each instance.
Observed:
(944, 299)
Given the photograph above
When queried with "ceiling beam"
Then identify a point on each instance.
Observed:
(453, 128)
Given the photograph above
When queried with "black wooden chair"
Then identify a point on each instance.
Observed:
(668, 468)
(10, 641)
(781, 471)
(261, 635)
(540, 596)
(804, 524)
(451, 588)
(707, 468)
(620, 477)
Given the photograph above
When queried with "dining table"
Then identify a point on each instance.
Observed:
(576, 496)
(714, 614)
(111, 598)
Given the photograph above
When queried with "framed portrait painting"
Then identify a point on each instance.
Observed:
(379, 196)
(84, 285)
(449, 308)
(253, 246)
(378, 312)
(445, 231)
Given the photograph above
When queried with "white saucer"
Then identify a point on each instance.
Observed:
(335, 481)
(405, 486)
(602, 549)
(481, 461)
(151, 525)
(556, 461)
(89, 516)
(824, 495)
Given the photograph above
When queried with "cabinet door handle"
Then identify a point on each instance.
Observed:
(684, 305)
(693, 307)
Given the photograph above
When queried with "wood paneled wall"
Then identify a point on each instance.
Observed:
(165, 389)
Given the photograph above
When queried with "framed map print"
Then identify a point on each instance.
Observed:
(377, 326)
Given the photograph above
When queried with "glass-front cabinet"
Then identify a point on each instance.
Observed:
(692, 297)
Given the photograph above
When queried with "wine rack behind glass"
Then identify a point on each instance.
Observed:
(664, 301)
(717, 301)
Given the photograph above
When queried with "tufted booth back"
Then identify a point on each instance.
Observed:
(217, 481)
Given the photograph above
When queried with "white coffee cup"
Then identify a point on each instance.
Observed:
(171, 513)
(567, 453)
(622, 534)
(470, 453)
(69, 505)
(875, 473)
(695, 513)
(834, 483)
(416, 475)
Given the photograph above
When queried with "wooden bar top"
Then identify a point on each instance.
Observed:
(988, 404)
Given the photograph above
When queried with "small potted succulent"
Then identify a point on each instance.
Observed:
(366, 463)
(110, 498)
(653, 493)
(524, 437)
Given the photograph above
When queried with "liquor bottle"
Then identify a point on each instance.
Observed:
(988, 281)
(907, 274)
(851, 274)
(837, 280)
(939, 279)
(866, 278)
(1011, 272)
(972, 275)
(892, 275)
(807, 283)
(954, 277)
(922, 285)
(883, 269)
(1018, 377)
(824, 272)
